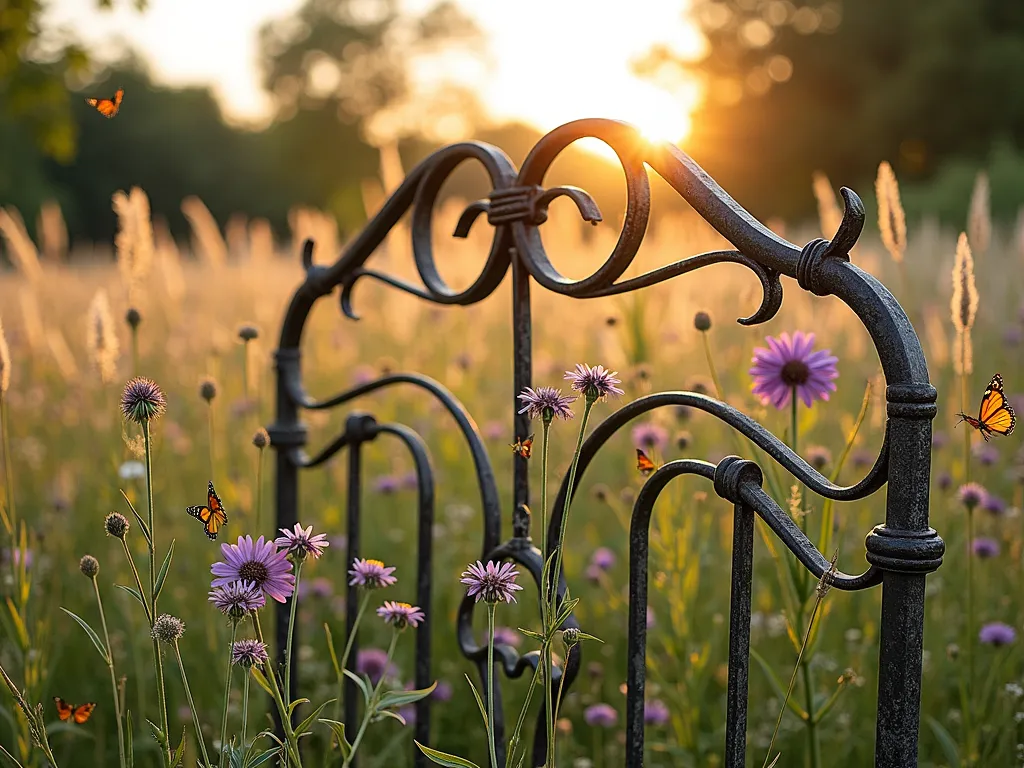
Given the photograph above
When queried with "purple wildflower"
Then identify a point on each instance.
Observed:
(594, 573)
(603, 558)
(320, 587)
(299, 543)
(401, 615)
(601, 716)
(373, 662)
(259, 562)
(491, 583)
(819, 457)
(650, 437)
(494, 430)
(994, 505)
(386, 484)
(545, 403)
(142, 400)
(249, 653)
(595, 383)
(789, 364)
(372, 574)
(939, 440)
(507, 636)
(409, 481)
(363, 374)
(655, 712)
(237, 598)
(985, 547)
(651, 621)
(986, 454)
(944, 481)
(971, 495)
(996, 633)
(1013, 335)
(443, 691)
(862, 459)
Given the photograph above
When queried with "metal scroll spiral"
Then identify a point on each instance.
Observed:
(517, 207)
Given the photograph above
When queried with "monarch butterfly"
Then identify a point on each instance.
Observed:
(212, 515)
(995, 415)
(107, 107)
(643, 463)
(67, 711)
(523, 448)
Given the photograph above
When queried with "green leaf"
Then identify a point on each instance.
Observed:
(138, 517)
(306, 725)
(531, 634)
(9, 759)
(946, 742)
(443, 758)
(294, 704)
(163, 573)
(399, 698)
(775, 762)
(176, 757)
(161, 739)
(382, 713)
(566, 611)
(479, 702)
(339, 732)
(19, 625)
(330, 647)
(777, 686)
(100, 648)
(134, 593)
(262, 758)
(260, 680)
(361, 683)
(129, 749)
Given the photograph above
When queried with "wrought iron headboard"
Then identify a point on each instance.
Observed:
(900, 552)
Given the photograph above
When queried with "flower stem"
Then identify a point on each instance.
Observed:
(971, 634)
(813, 744)
(227, 695)
(513, 741)
(490, 680)
(113, 676)
(291, 748)
(192, 706)
(210, 431)
(348, 649)
(291, 633)
(259, 486)
(372, 706)
(544, 515)
(550, 627)
(245, 705)
(135, 351)
(138, 580)
(158, 660)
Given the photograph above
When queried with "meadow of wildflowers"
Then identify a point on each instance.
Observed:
(124, 392)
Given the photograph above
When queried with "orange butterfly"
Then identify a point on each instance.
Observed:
(523, 448)
(995, 416)
(643, 463)
(212, 515)
(107, 107)
(67, 711)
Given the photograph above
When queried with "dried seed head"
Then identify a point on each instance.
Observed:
(892, 222)
(133, 317)
(116, 525)
(89, 566)
(101, 338)
(261, 439)
(5, 362)
(702, 321)
(979, 218)
(142, 400)
(167, 628)
(570, 636)
(248, 333)
(208, 389)
(963, 306)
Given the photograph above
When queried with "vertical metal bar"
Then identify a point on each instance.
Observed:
(522, 361)
(902, 621)
(739, 636)
(636, 645)
(353, 598)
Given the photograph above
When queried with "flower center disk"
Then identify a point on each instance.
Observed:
(253, 571)
(795, 373)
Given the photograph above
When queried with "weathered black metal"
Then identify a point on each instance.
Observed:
(900, 552)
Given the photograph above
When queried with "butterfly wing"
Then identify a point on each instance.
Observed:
(643, 463)
(527, 450)
(64, 710)
(995, 414)
(118, 96)
(217, 517)
(83, 712)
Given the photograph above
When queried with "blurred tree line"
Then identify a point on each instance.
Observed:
(793, 86)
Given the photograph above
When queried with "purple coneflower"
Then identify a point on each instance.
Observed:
(491, 583)
(650, 437)
(142, 400)
(373, 662)
(401, 615)
(997, 633)
(655, 712)
(259, 562)
(985, 547)
(971, 495)
(249, 653)
(594, 383)
(601, 716)
(299, 543)
(237, 598)
(372, 574)
(789, 365)
(546, 403)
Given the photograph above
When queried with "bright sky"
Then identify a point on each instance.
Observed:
(551, 60)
